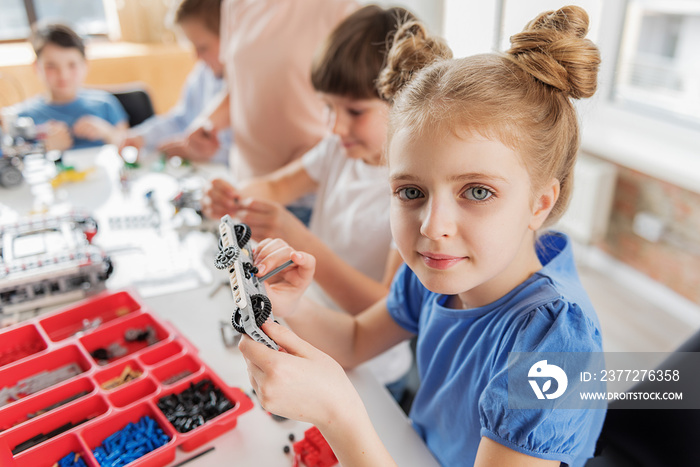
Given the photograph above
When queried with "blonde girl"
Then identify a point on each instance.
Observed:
(481, 153)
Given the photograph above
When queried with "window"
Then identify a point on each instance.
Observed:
(87, 17)
(14, 22)
(658, 71)
(646, 112)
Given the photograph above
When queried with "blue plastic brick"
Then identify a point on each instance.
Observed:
(133, 441)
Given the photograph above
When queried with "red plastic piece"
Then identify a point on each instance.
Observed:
(167, 366)
(314, 450)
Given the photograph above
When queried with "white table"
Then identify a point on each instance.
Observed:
(257, 440)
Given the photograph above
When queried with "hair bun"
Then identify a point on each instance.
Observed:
(553, 49)
(413, 49)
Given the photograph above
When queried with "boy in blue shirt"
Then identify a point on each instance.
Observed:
(71, 117)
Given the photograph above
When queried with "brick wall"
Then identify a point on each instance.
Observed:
(675, 259)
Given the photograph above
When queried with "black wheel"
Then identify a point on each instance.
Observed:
(261, 308)
(226, 258)
(109, 269)
(236, 321)
(243, 234)
(11, 176)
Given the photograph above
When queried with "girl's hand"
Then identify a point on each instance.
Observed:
(268, 219)
(221, 199)
(285, 288)
(299, 382)
(92, 128)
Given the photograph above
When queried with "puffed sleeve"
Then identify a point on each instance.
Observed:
(406, 298)
(563, 428)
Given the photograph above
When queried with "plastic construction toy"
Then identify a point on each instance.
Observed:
(235, 255)
(22, 139)
(188, 198)
(45, 260)
(69, 175)
(314, 450)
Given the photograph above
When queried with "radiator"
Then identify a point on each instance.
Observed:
(586, 219)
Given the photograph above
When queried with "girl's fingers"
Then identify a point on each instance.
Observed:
(288, 340)
(269, 260)
(271, 245)
(224, 187)
(221, 198)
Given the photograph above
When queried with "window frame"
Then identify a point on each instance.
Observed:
(30, 11)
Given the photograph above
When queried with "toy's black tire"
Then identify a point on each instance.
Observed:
(261, 308)
(243, 234)
(236, 321)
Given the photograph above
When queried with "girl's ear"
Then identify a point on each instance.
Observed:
(543, 204)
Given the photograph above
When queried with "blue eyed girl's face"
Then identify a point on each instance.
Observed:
(462, 214)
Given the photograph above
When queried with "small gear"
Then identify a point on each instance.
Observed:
(243, 234)
(226, 258)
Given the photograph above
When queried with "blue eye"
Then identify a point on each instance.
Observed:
(409, 193)
(478, 193)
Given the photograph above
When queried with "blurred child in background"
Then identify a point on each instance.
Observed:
(71, 116)
(199, 21)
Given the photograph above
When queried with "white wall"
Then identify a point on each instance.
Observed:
(429, 11)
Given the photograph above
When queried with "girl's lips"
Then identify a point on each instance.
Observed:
(438, 261)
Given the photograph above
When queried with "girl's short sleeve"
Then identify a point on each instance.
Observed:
(318, 160)
(564, 429)
(406, 298)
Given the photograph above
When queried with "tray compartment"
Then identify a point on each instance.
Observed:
(100, 431)
(34, 407)
(14, 379)
(216, 426)
(115, 371)
(177, 370)
(65, 419)
(161, 353)
(54, 450)
(19, 343)
(106, 307)
(132, 392)
(115, 334)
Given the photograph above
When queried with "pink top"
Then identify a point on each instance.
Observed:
(267, 47)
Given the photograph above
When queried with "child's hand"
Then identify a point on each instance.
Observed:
(203, 142)
(57, 136)
(179, 147)
(93, 128)
(268, 219)
(136, 141)
(286, 288)
(221, 198)
(299, 382)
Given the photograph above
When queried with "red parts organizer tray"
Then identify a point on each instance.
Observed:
(70, 399)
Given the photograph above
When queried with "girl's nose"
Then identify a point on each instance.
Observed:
(339, 124)
(439, 220)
